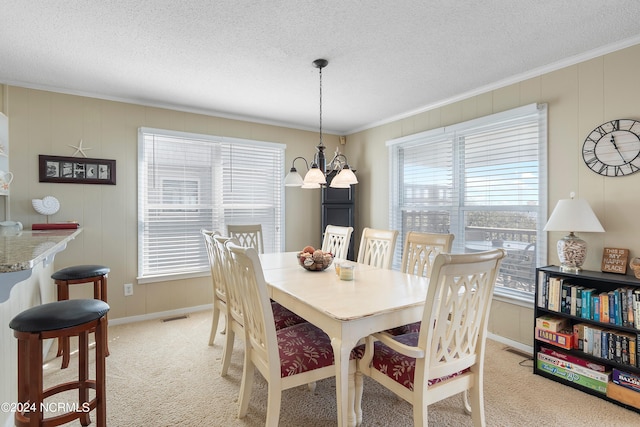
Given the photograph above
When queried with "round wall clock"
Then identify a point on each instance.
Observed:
(613, 148)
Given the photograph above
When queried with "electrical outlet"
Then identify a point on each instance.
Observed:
(128, 289)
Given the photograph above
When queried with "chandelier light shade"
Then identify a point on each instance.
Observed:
(573, 215)
(316, 175)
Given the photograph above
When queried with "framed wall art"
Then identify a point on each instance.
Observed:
(77, 170)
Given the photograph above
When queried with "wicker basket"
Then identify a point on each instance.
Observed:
(635, 266)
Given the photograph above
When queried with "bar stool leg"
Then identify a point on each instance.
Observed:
(63, 294)
(34, 374)
(101, 389)
(83, 376)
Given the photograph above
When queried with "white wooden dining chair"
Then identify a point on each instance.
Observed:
(377, 247)
(247, 235)
(235, 320)
(286, 358)
(219, 289)
(336, 240)
(446, 359)
(418, 254)
(282, 316)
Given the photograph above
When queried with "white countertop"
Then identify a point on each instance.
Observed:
(24, 250)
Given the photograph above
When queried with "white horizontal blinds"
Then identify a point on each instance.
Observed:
(177, 201)
(500, 164)
(188, 182)
(481, 180)
(252, 189)
(426, 193)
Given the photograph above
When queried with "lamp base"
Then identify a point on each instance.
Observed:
(572, 252)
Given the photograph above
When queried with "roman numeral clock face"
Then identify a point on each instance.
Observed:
(613, 148)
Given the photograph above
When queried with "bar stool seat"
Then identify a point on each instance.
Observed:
(74, 275)
(58, 319)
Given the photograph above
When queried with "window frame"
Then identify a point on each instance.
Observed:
(453, 134)
(231, 157)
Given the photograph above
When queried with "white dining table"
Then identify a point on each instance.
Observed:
(376, 300)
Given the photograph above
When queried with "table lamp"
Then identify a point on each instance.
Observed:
(576, 215)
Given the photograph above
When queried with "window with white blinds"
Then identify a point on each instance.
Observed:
(187, 182)
(485, 182)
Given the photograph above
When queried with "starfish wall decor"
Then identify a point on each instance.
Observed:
(79, 149)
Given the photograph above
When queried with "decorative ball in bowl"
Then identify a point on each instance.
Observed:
(314, 260)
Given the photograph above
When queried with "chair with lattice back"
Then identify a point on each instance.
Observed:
(286, 358)
(336, 240)
(418, 254)
(377, 247)
(249, 235)
(445, 359)
(219, 289)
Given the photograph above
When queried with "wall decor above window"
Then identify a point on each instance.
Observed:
(76, 170)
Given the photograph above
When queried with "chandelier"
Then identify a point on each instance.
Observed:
(316, 175)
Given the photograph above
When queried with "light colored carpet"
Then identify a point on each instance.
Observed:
(164, 374)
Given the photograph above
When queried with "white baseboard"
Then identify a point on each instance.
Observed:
(511, 343)
(159, 315)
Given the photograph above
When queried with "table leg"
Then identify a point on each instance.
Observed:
(345, 388)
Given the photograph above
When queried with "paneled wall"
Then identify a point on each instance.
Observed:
(579, 97)
(42, 122)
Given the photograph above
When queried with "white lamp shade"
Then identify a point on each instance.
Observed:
(344, 179)
(293, 179)
(573, 215)
(315, 176)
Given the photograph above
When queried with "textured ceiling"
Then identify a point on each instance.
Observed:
(252, 59)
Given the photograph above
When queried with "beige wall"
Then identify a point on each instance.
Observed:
(579, 97)
(42, 122)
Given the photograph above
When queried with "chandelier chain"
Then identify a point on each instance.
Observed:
(321, 107)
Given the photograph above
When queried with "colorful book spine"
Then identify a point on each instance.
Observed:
(626, 379)
(604, 307)
(567, 375)
(573, 359)
(581, 370)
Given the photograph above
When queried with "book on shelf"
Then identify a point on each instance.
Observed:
(552, 323)
(604, 307)
(555, 284)
(573, 359)
(563, 339)
(626, 379)
(570, 376)
(55, 226)
(574, 367)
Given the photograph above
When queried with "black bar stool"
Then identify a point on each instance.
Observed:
(74, 275)
(56, 320)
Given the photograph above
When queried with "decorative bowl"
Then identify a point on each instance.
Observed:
(316, 261)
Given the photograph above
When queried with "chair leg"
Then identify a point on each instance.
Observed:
(226, 354)
(274, 400)
(476, 400)
(465, 402)
(246, 384)
(214, 323)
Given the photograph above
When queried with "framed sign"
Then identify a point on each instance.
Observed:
(77, 170)
(614, 260)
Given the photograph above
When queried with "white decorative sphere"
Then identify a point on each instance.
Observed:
(48, 205)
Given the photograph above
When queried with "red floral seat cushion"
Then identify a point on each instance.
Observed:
(304, 347)
(283, 317)
(399, 367)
